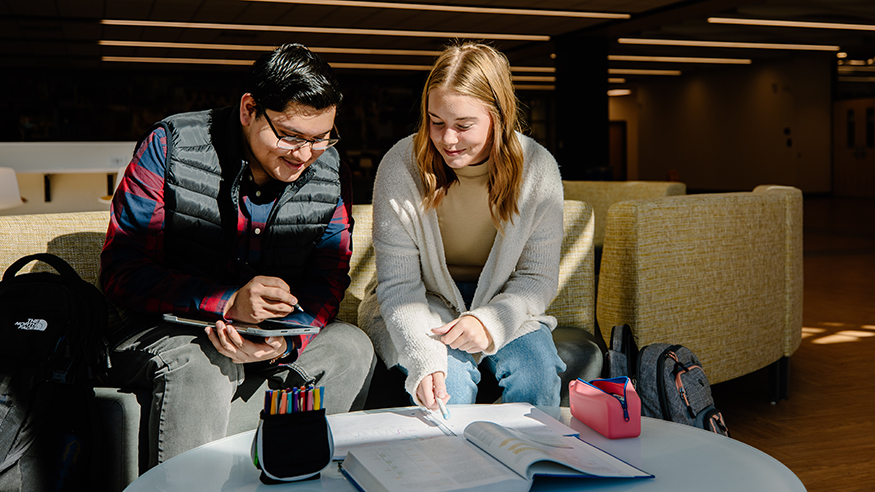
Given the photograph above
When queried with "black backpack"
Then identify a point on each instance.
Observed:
(52, 353)
(668, 378)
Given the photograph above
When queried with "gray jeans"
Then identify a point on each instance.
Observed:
(192, 384)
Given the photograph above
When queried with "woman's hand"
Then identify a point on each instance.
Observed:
(241, 350)
(430, 388)
(465, 333)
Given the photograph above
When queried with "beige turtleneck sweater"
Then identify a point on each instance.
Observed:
(467, 230)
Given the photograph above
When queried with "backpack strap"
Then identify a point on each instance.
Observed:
(621, 359)
(61, 266)
(624, 338)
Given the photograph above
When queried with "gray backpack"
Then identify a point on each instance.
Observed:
(669, 380)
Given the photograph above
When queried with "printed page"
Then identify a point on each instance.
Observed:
(522, 417)
(439, 464)
(380, 426)
(531, 455)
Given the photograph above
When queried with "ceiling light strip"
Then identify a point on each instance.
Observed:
(726, 44)
(381, 66)
(680, 59)
(785, 23)
(373, 51)
(247, 47)
(856, 79)
(532, 87)
(221, 61)
(616, 80)
(637, 71)
(195, 46)
(454, 8)
(534, 69)
(155, 59)
(856, 68)
(324, 30)
(533, 78)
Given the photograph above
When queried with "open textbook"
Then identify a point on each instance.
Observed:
(396, 424)
(489, 457)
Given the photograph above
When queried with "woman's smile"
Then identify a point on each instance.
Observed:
(460, 127)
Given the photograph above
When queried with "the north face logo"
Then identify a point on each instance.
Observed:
(32, 324)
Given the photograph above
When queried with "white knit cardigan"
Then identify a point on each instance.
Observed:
(414, 291)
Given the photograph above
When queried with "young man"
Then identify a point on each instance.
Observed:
(238, 215)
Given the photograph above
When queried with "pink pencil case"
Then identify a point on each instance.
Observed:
(611, 407)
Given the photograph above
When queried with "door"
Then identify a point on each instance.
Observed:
(854, 148)
(617, 151)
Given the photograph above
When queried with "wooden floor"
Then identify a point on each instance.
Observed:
(825, 432)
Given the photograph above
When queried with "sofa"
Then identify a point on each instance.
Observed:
(602, 194)
(720, 273)
(120, 433)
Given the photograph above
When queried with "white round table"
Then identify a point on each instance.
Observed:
(681, 457)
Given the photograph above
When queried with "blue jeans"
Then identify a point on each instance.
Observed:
(192, 384)
(527, 369)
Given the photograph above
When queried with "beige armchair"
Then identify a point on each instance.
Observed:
(362, 264)
(574, 303)
(602, 194)
(718, 273)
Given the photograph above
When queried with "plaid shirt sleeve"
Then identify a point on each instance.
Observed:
(327, 273)
(133, 273)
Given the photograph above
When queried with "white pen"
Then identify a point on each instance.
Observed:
(444, 411)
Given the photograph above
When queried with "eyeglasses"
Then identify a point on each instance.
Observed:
(294, 143)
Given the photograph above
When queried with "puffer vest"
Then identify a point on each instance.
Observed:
(201, 195)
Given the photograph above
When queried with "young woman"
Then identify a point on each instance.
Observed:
(467, 234)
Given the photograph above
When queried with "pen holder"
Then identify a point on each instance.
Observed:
(611, 407)
(293, 446)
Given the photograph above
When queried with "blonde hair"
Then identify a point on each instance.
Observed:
(479, 71)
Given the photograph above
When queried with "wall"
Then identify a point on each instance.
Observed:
(625, 108)
(79, 173)
(737, 127)
(70, 193)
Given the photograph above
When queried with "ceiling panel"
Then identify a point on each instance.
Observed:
(127, 9)
(65, 33)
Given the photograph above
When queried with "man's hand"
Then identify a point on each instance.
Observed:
(260, 299)
(242, 350)
(431, 387)
(466, 333)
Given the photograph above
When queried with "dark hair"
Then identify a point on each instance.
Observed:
(293, 74)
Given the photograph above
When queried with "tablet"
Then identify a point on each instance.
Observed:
(269, 328)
